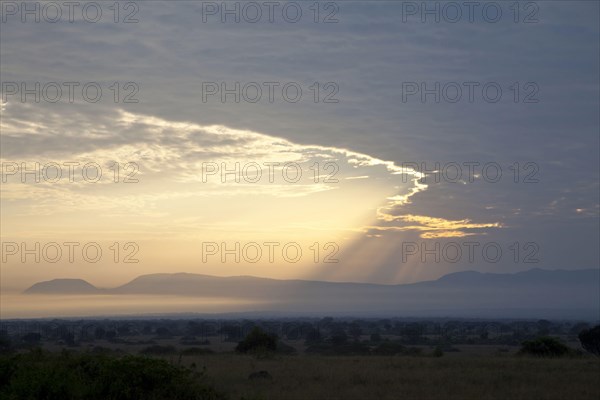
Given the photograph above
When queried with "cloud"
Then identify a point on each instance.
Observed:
(171, 131)
(432, 228)
(169, 161)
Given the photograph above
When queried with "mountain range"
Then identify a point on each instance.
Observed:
(532, 293)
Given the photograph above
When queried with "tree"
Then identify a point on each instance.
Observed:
(355, 330)
(68, 338)
(590, 340)
(338, 337)
(413, 332)
(375, 337)
(544, 346)
(438, 352)
(100, 332)
(163, 332)
(543, 326)
(257, 340)
(5, 342)
(578, 327)
(32, 338)
(313, 335)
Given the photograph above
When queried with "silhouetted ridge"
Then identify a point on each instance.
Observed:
(63, 286)
(530, 293)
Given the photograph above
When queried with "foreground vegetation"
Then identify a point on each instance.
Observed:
(40, 375)
(73, 376)
(307, 359)
(402, 377)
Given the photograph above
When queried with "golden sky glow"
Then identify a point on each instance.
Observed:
(184, 187)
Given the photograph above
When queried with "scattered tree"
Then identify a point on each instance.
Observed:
(31, 338)
(438, 352)
(544, 346)
(313, 335)
(100, 332)
(257, 340)
(375, 337)
(590, 340)
(339, 337)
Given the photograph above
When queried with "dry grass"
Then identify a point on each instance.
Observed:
(369, 377)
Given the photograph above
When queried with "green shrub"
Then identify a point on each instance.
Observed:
(42, 375)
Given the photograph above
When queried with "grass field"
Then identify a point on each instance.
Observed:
(462, 365)
(372, 377)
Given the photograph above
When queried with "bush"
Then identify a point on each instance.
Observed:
(5, 343)
(257, 340)
(590, 340)
(42, 375)
(544, 347)
(438, 352)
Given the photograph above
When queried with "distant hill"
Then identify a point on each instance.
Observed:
(63, 286)
(558, 293)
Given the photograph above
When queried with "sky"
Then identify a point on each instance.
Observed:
(377, 144)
